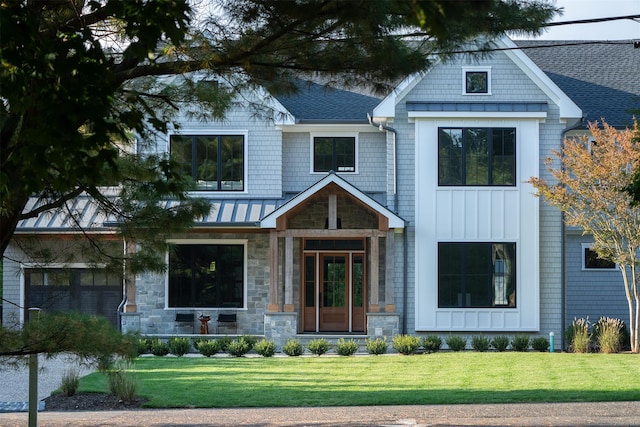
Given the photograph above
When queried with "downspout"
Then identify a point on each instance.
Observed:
(382, 128)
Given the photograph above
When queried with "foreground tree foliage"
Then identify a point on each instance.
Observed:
(592, 186)
(89, 337)
(80, 77)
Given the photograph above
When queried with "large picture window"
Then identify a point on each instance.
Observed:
(476, 275)
(334, 154)
(477, 156)
(203, 275)
(215, 162)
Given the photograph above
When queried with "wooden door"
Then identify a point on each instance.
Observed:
(334, 293)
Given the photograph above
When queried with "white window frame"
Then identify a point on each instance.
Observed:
(466, 70)
(584, 261)
(211, 131)
(314, 135)
(243, 242)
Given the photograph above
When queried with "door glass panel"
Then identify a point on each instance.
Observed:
(333, 286)
(358, 269)
(310, 281)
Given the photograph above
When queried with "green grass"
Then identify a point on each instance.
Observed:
(440, 378)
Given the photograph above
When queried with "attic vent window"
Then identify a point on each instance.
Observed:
(476, 81)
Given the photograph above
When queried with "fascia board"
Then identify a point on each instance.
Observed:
(270, 220)
(568, 108)
(480, 115)
(387, 107)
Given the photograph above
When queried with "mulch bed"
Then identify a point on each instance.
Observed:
(89, 402)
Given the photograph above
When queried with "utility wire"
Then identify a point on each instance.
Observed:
(592, 21)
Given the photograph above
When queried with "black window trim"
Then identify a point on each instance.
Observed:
(243, 242)
(218, 133)
(315, 135)
(463, 128)
(508, 306)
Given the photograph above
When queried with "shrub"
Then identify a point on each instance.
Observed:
(224, 342)
(580, 336)
(159, 348)
(431, 343)
(208, 347)
(520, 342)
(179, 346)
(265, 348)
(500, 343)
(346, 348)
(105, 362)
(239, 347)
(376, 346)
(250, 340)
(480, 343)
(406, 344)
(608, 334)
(70, 381)
(143, 346)
(292, 347)
(456, 342)
(540, 344)
(318, 346)
(122, 383)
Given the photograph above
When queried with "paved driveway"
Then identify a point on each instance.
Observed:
(563, 414)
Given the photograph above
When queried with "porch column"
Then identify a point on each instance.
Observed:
(389, 278)
(130, 282)
(374, 261)
(288, 273)
(274, 305)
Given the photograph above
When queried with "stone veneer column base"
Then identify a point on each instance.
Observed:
(383, 324)
(130, 322)
(280, 327)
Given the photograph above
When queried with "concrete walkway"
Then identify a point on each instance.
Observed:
(562, 414)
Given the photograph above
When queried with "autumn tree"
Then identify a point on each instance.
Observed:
(80, 77)
(591, 189)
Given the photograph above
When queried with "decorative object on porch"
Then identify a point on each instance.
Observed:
(204, 324)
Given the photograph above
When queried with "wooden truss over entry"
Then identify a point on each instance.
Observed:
(332, 210)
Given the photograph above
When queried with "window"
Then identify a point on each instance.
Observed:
(476, 80)
(591, 260)
(206, 275)
(215, 162)
(67, 277)
(476, 275)
(334, 154)
(477, 156)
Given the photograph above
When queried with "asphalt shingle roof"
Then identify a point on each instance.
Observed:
(314, 103)
(602, 79)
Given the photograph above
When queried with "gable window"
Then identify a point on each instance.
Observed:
(215, 162)
(476, 275)
(591, 260)
(332, 153)
(477, 156)
(476, 80)
(206, 275)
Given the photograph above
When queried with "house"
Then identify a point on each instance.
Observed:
(351, 215)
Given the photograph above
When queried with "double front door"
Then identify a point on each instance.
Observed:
(334, 291)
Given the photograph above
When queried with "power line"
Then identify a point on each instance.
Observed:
(592, 20)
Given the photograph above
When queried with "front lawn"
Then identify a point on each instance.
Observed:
(440, 378)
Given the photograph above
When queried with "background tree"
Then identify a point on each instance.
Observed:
(80, 77)
(592, 181)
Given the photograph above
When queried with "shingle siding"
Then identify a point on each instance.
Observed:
(591, 293)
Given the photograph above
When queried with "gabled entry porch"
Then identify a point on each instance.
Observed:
(332, 251)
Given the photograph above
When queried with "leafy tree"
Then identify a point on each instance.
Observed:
(591, 190)
(80, 77)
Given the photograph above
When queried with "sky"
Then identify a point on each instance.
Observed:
(589, 9)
